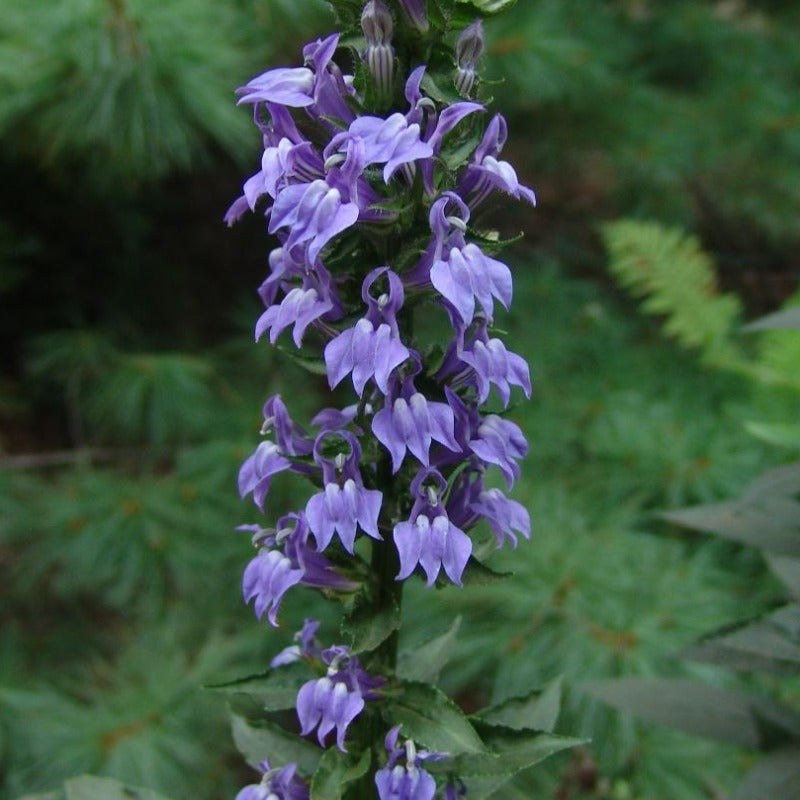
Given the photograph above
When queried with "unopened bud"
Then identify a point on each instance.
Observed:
(469, 49)
(415, 11)
(376, 22)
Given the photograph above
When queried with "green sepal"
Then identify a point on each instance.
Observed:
(273, 690)
(478, 574)
(369, 624)
(313, 364)
(266, 740)
(424, 663)
(460, 154)
(432, 719)
(335, 771)
(538, 710)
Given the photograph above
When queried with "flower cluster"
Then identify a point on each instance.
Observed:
(374, 220)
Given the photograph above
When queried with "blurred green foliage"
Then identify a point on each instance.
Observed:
(130, 387)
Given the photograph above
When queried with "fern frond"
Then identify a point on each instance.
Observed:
(677, 281)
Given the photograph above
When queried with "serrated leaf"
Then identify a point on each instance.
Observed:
(335, 771)
(368, 625)
(740, 719)
(766, 515)
(509, 750)
(424, 663)
(775, 776)
(788, 570)
(768, 645)
(268, 740)
(788, 319)
(536, 711)
(430, 717)
(91, 787)
(274, 690)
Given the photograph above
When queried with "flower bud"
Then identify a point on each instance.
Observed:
(376, 22)
(415, 11)
(469, 49)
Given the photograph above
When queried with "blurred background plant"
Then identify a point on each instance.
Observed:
(664, 143)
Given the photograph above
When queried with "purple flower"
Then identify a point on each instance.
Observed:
(460, 272)
(285, 559)
(305, 646)
(256, 473)
(466, 274)
(313, 213)
(335, 700)
(504, 516)
(428, 538)
(288, 86)
(300, 307)
(326, 704)
(409, 782)
(489, 362)
(276, 784)
(287, 162)
(372, 348)
(267, 578)
(486, 173)
(391, 141)
(344, 504)
(291, 438)
(409, 421)
(500, 441)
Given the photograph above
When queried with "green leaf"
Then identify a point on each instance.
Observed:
(490, 6)
(335, 771)
(370, 624)
(90, 787)
(707, 711)
(766, 515)
(431, 718)
(510, 750)
(424, 663)
(781, 434)
(786, 319)
(275, 690)
(775, 776)
(268, 740)
(537, 710)
(788, 570)
(768, 645)
(677, 280)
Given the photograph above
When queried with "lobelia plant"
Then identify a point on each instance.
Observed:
(370, 182)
